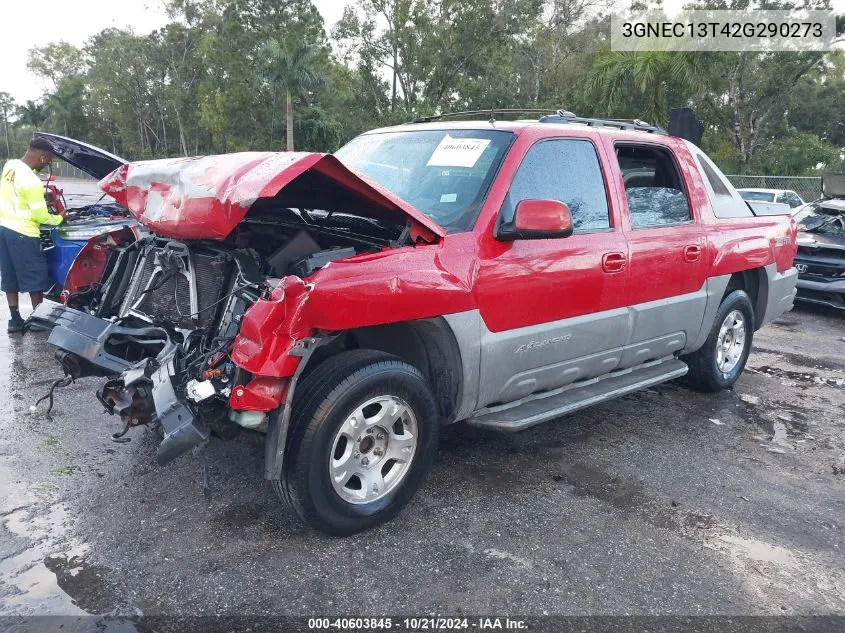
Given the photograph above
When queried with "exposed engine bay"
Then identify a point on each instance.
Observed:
(161, 321)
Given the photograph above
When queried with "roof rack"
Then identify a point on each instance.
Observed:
(562, 116)
(492, 112)
(558, 116)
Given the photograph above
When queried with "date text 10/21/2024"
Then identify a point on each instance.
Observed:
(427, 623)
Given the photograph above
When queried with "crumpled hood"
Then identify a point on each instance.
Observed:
(206, 197)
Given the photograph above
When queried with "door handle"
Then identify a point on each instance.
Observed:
(692, 253)
(613, 262)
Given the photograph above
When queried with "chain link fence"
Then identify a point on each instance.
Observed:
(808, 187)
(61, 169)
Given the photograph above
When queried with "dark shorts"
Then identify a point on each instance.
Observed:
(23, 267)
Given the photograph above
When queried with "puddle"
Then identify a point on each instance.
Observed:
(804, 378)
(34, 586)
(49, 575)
(779, 442)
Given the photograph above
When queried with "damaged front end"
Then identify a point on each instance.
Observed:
(198, 326)
(159, 331)
(820, 259)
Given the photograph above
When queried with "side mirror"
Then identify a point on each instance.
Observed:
(537, 220)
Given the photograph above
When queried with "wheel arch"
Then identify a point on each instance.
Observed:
(427, 344)
(755, 283)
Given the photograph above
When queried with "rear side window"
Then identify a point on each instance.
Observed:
(725, 201)
(567, 170)
(653, 186)
(718, 186)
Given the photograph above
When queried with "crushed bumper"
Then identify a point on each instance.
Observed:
(146, 391)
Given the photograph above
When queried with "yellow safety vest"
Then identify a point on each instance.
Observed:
(22, 205)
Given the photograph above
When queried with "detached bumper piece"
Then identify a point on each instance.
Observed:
(147, 391)
(146, 394)
(88, 346)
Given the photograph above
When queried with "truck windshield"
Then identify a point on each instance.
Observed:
(444, 174)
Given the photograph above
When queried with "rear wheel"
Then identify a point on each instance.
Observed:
(363, 435)
(720, 361)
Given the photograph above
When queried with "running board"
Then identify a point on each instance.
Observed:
(541, 408)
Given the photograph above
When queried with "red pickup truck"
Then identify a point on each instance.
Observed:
(497, 273)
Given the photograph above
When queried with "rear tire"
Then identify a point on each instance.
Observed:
(364, 428)
(720, 361)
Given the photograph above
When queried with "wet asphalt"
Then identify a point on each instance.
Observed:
(663, 502)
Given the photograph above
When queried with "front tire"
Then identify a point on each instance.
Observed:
(364, 430)
(720, 361)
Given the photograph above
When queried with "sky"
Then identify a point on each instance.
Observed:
(75, 21)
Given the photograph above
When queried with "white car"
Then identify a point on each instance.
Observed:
(784, 196)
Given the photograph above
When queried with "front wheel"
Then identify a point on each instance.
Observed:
(364, 431)
(720, 361)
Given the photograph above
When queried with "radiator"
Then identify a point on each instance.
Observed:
(187, 295)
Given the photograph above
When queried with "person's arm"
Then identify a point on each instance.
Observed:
(32, 195)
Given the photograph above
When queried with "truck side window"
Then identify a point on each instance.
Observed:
(719, 187)
(653, 186)
(567, 170)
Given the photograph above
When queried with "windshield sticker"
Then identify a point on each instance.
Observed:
(458, 152)
(448, 197)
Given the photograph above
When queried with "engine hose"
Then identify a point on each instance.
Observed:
(118, 437)
(61, 382)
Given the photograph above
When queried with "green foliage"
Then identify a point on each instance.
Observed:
(795, 153)
(56, 61)
(230, 75)
(65, 104)
(290, 69)
(644, 85)
(33, 114)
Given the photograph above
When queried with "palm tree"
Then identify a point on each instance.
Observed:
(618, 76)
(291, 68)
(61, 105)
(33, 113)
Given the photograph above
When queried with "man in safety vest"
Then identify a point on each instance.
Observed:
(23, 208)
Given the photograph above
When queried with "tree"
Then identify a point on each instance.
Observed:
(56, 61)
(796, 154)
(175, 51)
(33, 113)
(440, 54)
(65, 104)
(746, 93)
(291, 68)
(7, 105)
(651, 81)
